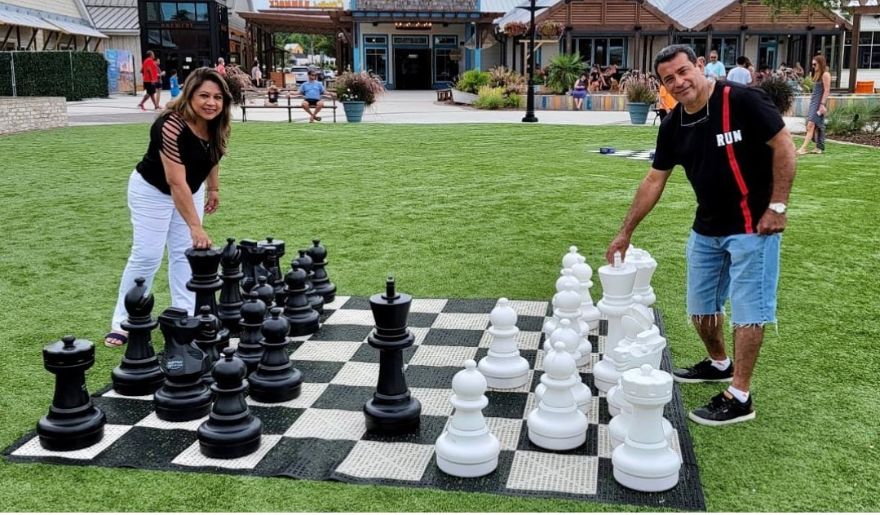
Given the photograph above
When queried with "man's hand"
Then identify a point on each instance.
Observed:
(619, 244)
(200, 239)
(771, 223)
(212, 202)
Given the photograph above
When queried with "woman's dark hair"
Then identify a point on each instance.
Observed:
(219, 127)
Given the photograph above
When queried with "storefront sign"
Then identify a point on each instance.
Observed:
(306, 4)
(418, 5)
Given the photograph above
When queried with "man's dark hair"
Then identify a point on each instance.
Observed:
(669, 53)
(742, 60)
(150, 53)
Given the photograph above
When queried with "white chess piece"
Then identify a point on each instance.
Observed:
(617, 285)
(503, 367)
(567, 305)
(556, 423)
(571, 340)
(571, 257)
(631, 352)
(467, 448)
(584, 274)
(643, 293)
(645, 462)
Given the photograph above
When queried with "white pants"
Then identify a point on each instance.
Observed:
(157, 224)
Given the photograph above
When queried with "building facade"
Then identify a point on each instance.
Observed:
(29, 25)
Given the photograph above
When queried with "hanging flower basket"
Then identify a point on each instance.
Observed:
(516, 29)
(551, 30)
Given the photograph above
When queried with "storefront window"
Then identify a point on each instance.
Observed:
(202, 12)
(602, 51)
(445, 66)
(377, 61)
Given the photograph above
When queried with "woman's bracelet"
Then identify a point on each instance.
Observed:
(213, 189)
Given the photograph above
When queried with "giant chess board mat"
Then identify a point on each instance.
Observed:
(321, 435)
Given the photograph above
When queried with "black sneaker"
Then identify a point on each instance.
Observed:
(703, 372)
(723, 410)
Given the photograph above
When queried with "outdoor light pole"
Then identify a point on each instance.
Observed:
(530, 94)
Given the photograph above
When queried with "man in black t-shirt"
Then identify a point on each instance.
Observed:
(740, 161)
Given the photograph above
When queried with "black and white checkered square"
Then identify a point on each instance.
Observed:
(322, 433)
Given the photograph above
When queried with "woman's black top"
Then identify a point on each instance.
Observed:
(171, 137)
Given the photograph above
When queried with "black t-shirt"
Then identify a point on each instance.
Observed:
(725, 156)
(171, 136)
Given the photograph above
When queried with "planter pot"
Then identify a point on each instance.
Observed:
(638, 113)
(463, 97)
(354, 111)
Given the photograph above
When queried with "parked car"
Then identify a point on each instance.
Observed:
(329, 74)
(300, 74)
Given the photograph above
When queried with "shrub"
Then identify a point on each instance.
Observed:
(638, 87)
(848, 119)
(807, 85)
(562, 71)
(358, 86)
(73, 75)
(237, 81)
(491, 98)
(780, 92)
(873, 122)
(471, 81)
(514, 83)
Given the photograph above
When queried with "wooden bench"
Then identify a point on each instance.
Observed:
(290, 107)
(443, 95)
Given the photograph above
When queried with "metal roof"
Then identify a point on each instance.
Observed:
(114, 18)
(498, 6)
(76, 28)
(517, 14)
(691, 13)
(24, 20)
(111, 3)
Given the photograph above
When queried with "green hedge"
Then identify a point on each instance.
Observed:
(73, 75)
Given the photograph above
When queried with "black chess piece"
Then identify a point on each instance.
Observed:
(210, 338)
(139, 372)
(253, 312)
(297, 309)
(392, 410)
(249, 259)
(229, 305)
(278, 244)
(205, 282)
(265, 291)
(275, 250)
(315, 299)
(320, 279)
(183, 396)
(231, 430)
(73, 422)
(275, 379)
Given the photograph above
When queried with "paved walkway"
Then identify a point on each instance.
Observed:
(392, 107)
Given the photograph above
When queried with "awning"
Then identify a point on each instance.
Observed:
(24, 20)
(76, 28)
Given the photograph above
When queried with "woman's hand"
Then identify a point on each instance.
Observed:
(822, 110)
(212, 201)
(200, 239)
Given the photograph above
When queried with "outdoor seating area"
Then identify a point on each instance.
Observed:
(294, 103)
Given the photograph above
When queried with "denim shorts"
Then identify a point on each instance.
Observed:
(742, 267)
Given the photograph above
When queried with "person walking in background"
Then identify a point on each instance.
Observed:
(714, 69)
(159, 79)
(701, 64)
(257, 75)
(221, 67)
(740, 74)
(149, 73)
(167, 190)
(174, 83)
(818, 109)
(579, 92)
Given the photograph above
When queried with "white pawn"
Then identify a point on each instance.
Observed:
(570, 339)
(556, 423)
(467, 448)
(645, 462)
(503, 367)
(643, 293)
(584, 274)
(617, 285)
(571, 257)
(567, 305)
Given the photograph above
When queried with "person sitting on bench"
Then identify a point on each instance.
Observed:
(311, 92)
(272, 94)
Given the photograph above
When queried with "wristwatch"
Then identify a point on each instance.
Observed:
(777, 207)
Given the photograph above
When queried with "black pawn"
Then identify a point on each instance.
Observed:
(139, 372)
(392, 410)
(231, 431)
(320, 279)
(272, 262)
(249, 350)
(264, 291)
(211, 338)
(315, 299)
(204, 264)
(297, 309)
(229, 306)
(73, 422)
(250, 256)
(275, 379)
(183, 396)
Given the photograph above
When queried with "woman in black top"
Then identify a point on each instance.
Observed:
(167, 191)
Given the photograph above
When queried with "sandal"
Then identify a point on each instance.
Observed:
(802, 152)
(816, 151)
(115, 339)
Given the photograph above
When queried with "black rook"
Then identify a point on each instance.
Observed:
(392, 410)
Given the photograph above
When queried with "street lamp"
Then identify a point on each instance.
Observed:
(530, 94)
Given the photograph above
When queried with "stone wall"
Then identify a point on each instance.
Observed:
(20, 114)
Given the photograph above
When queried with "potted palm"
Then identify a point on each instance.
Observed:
(563, 71)
(641, 93)
(356, 90)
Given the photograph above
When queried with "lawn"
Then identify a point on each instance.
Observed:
(477, 211)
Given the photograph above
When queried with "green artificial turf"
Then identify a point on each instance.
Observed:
(451, 211)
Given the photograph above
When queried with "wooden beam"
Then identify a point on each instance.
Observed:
(33, 40)
(8, 33)
(48, 39)
(854, 51)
